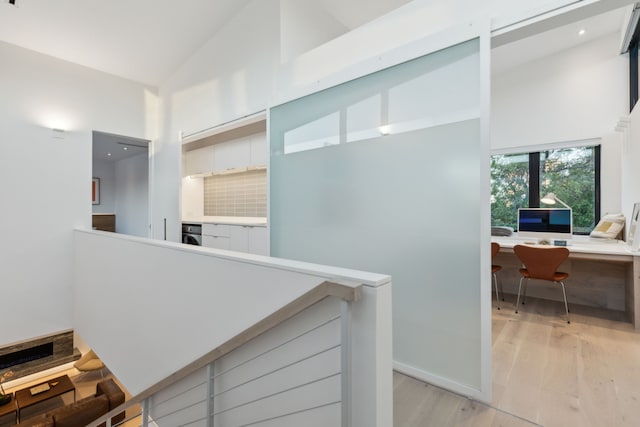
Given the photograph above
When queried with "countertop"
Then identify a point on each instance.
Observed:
(228, 220)
(578, 244)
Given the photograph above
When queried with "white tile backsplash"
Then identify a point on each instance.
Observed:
(239, 194)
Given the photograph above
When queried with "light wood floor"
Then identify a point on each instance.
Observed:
(546, 371)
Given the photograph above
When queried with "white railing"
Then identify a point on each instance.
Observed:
(296, 373)
(291, 366)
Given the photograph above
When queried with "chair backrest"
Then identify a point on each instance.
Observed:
(541, 262)
(495, 248)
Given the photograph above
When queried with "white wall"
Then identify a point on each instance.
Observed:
(106, 171)
(305, 25)
(630, 160)
(45, 181)
(229, 77)
(575, 94)
(132, 195)
(612, 169)
(238, 71)
(192, 197)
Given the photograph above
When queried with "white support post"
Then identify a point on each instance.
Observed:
(345, 349)
(210, 392)
(145, 413)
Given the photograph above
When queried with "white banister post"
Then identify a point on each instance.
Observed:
(210, 397)
(345, 350)
(145, 412)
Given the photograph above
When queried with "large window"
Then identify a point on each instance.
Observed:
(521, 180)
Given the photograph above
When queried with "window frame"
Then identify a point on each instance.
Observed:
(534, 154)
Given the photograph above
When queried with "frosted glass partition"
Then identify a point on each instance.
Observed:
(383, 174)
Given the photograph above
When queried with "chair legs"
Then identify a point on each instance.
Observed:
(566, 306)
(564, 295)
(495, 281)
(520, 287)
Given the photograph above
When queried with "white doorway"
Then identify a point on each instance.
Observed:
(121, 179)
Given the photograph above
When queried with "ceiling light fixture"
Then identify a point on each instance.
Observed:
(581, 32)
(132, 145)
(109, 154)
(125, 148)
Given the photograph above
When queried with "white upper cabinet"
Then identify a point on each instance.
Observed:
(232, 154)
(235, 145)
(259, 149)
(199, 161)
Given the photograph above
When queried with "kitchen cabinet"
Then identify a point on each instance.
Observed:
(259, 149)
(240, 238)
(232, 154)
(259, 240)
(242, 152)
(216, 242)
(216, 236)
(199, 161)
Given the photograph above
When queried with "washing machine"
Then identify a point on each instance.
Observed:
(192, 234)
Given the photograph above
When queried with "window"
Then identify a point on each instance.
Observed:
(521, 180)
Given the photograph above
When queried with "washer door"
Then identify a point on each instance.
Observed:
(190, 239)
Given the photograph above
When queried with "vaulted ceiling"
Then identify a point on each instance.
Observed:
(141, 40)
(147, 40)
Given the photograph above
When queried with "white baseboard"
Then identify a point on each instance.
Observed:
(438, 381)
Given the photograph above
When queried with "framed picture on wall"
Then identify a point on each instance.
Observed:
(633, 239)
(95, 191)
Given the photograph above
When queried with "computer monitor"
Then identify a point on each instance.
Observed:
(544, 223)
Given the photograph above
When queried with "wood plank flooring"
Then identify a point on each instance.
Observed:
(545, 372)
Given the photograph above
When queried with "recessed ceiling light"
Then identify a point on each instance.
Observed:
(581, 32)
(109, 154)
(125, 148)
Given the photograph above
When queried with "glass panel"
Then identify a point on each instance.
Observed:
(569, 173)
(396, 189)
(509, 188)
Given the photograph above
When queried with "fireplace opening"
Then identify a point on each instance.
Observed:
(27, 355)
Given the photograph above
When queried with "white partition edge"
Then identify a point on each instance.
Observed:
(426, 45)
(486, 308)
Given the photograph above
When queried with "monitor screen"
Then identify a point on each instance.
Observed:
(545, 223)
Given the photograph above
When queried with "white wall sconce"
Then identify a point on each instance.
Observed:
(57, 133)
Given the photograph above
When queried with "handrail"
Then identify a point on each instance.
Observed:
(313, 296)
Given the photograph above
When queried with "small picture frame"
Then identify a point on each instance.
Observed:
(633, 238)
(95, 191)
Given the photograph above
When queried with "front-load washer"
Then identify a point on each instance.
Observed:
(192, 234)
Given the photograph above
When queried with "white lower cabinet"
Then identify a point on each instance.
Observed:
(259, 240)
(240, 238)
(217, 242)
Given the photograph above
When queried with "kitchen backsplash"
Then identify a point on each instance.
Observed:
(236, 194)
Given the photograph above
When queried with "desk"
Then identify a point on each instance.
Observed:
(602, 265)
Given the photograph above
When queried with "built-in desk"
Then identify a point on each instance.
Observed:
(605, 275)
